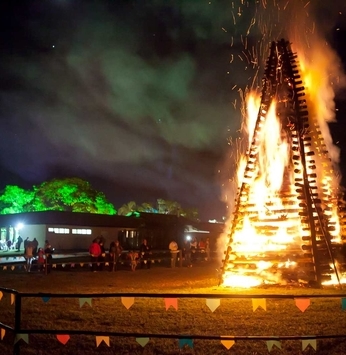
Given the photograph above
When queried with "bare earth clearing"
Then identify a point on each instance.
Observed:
(234, 317)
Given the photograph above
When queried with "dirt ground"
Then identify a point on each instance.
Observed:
(193, 317)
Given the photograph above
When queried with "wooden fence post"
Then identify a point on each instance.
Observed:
(17, 322)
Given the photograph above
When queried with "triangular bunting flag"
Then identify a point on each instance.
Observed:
(302, 303)
(81, 264)
(84, 300)
(142, 341)
(72, 265)
(1, 295)
(13, 296)
(159, 260)
(212, 303)
(187, 342)
(24, 337)
(171, 302)
(100, 339)
(307, 342)
(343, 303)
(54, 266)
(127, 301)
(45, 299)
(227, 343)
(153, 261)
(106, 264)
(259, 302)
(2, 333)
(63, 265)
(13, 267)
(63, 338)
(4, 268)
(271, 343)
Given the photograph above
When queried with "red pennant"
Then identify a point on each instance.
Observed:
(63, 338)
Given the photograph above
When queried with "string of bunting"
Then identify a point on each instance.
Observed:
(20, 266)
(212, 303)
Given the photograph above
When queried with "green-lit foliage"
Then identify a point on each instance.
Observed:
(69, 194)
(14, 199)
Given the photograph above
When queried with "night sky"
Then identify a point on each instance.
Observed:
(138, 97)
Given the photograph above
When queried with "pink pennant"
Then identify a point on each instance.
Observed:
(171, 302)
(302, 303)
(63, 338)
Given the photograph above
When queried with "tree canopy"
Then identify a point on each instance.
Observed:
(163, 207)
(77, 195)
(68, 194)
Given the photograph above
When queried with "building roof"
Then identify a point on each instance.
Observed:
(70, 218)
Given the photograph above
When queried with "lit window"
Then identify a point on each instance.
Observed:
(81, 231)
(59, 230)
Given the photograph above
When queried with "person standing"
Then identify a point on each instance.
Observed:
(187, 253)
(207, 249)
(145, 251)
(95, 252)
(26, 241)
(115, 251)
(173, 248)
(48, 250)
(19, 242)
(35, 246)
(28, 255)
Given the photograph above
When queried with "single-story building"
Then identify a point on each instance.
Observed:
(76, 231)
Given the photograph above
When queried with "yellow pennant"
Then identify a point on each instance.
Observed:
(100, 339)
(259, 302)
(227, 343)
(307, 342)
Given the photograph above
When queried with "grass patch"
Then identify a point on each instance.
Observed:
(234, 317)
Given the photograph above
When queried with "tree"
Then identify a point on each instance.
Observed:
(14, 199)
(190, 213)
(147, 207)
(127, 208)
(70, 194)
(168, 207)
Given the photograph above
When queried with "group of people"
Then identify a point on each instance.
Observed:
(99, 257)
(142, 257)
(97, 253)
(189, 250)
(43, 256)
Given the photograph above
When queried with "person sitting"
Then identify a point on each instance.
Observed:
(95, 252)
(133, 256)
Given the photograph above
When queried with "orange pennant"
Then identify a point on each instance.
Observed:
(302, 303)
(171, 302)
(127, 301)
(2, 333)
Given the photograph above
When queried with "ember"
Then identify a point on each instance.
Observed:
(286, 222)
